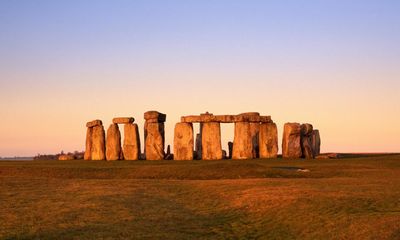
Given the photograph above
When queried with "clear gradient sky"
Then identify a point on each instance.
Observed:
(335, 64)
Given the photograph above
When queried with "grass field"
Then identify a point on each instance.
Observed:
(353, 198)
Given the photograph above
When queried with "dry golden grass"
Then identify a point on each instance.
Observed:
(254, 199)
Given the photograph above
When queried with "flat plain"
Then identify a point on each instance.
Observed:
(350, 198)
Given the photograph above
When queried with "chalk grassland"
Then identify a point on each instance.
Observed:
(354, 198)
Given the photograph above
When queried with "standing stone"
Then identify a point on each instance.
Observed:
(291, 141)
(183, 141)
(306, 132)
(98, 143)
(88, 150)
(242, 142)
(230, 148)
(131, 148)
(113, 143)
(254, 133)
(211, 141)
(198, 145)
(268, 140)
(316, 142)
(154, 142)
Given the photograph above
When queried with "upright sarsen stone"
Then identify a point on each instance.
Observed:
(198, 145)
(183, 141)
(255, 134)
(88, 150)
(268, 140)
(291, 147)
(242, 142)
(154, 142)
(131, 147)
(306, 132)
(316, 142)
(211, 141)
(113, 143)
(98, 143)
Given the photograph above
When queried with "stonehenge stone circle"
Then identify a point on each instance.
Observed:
(268, 141)
(113, 143)
(183, 141)
(154, 135)
(291, 147)
(211, 141)
(98, 143)
(255, 136)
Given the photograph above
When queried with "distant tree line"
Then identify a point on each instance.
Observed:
(75, 155)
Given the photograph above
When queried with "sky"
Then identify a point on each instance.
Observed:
(332, 63)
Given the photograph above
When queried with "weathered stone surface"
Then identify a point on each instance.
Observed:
(316, 142)
(230, 149)
(88, 150)
(154, 142)
(154, 117)
(208, 117)
(268, 140)
(242, 142)
(98, 143)
(65, 157)
(113, 143)
(198, 146)
(131, 147)
(211, 141)
(254, 133)
(291, 141)
(94, 123)
(123, 120)
(306, 148)
(306, 129)
(183, 141)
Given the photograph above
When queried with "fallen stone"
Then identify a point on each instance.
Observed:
(242, 142)
(268, 140)
(113, 143)
(211, 141)
(291, 147)
(183, 141)
(123, 120)
(65, 157)
(131, 147)
(98, 143)
(94, 123)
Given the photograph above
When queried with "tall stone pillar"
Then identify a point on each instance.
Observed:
(316, 142)
(268, 141)
(183, 141)
(113, 143)
(254, 133)
(242, 142)
(198, 145)
(98, 143)
(230, 149)
(211, 141)
(88, 150)
(291, 141)
(131, 147)
(306, 132)
(154, 135)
